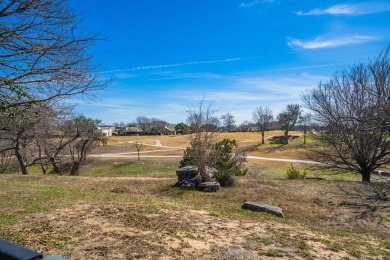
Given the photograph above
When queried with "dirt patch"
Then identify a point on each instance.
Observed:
(146, 218)
(109, 231)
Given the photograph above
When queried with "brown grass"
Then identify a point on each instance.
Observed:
(145, 217)
(248, 142)
(122, 217)
(183, 140)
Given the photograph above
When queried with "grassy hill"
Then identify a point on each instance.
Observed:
(122, 208)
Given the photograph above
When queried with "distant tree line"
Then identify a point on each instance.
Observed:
(263, 120)
(142, 125)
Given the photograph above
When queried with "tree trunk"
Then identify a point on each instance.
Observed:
(24, 169)
(202, 169)
(22, 163)
(262, 137)
(304, 136)
(75, 169)
(55, 166)
(19, 156)
(286, 137)
(366, 177)
(44, 169)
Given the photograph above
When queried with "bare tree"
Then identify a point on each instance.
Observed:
(263, 118)
(305, 121)
(43, 60)
(138, 146)
(40, 136)
(202, 139)
(157, 126)
(288, 118)
(212, 124)
(228, 121)
(352, 112)
(43, 55)
(379, 69)
(143, 123)
(22, 134)
(90, 138)
(245, 126)
(120, 128)
(5, 161)
(61, 135)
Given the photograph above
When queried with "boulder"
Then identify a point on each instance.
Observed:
(381, 173)
(211, 172)
(187, 185)
(262, 207)
(188, 178)
(209, 186)
(187, 172)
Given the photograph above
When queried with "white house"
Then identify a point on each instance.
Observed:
(107, 130)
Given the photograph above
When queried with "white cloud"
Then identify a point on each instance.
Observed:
(175, 75)
(275, 88)
(329, 42)
(163, 66)
(349, 9)
(125, 75)
(255, 2)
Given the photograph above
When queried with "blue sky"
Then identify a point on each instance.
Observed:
(167, 55)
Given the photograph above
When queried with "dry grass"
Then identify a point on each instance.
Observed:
(183, 140)
(124, 217)
(125, 209)
(248, 142)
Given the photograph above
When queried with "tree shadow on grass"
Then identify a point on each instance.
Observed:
(280, 139)
(366, 206)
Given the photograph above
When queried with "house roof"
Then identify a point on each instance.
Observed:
(170, 128)
(133, 129)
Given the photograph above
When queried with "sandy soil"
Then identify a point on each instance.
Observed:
(97, 231)
(154, 225)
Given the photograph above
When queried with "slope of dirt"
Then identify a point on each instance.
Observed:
(145, 218)
(106, 231)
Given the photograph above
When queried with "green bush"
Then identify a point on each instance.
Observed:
(228, 163)
(188, 158)
(223, 157)
(225, 179)
(293, 173)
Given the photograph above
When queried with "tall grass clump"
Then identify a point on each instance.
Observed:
(295, 173)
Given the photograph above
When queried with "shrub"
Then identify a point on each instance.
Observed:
(188, 158)
(222, 157)
(293, 173)
(228, 163)
(225, 179)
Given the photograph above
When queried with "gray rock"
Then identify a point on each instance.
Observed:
(188, 178)
(211, 172)
(187, 172)
(381, 173)
(262, 207)
(209, 186)
(186, 185)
